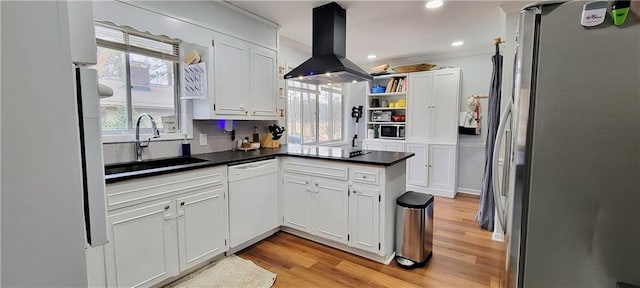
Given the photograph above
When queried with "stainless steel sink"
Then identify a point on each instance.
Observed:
(150, 164)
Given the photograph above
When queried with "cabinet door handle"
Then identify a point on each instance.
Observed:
(181, 214)
(182, 203)
(167, 217)
(316, 184)
(166, 207)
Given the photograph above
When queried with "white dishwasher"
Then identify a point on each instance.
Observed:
(253, 200)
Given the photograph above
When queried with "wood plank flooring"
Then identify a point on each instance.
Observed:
(463, 256)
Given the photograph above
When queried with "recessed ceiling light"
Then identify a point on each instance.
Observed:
(354, 81)
(372, 56)
(327, 74)
(457, 43)
(433, 4)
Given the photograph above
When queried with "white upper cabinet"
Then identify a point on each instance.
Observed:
(417, 105)
(433, 106)
(245, 83)
(263, 82)
(231, 75)
(444, 106)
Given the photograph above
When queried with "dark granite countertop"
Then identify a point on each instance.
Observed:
(379, 158)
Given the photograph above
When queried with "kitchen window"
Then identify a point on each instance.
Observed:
(141, 69)
(314, 113)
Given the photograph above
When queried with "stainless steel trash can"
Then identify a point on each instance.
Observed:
(414, 229)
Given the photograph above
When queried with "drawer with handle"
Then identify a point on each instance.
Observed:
(364, 175)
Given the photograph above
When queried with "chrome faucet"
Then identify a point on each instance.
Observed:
(139, 144)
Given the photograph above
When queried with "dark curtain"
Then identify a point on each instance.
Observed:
(487, 205)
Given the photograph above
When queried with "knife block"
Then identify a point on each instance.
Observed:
(268, 142)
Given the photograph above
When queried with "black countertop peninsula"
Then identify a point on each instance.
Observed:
(378, 158)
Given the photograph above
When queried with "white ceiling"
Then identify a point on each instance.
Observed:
(395, 29)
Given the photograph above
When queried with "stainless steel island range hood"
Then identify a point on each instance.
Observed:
(328, 63)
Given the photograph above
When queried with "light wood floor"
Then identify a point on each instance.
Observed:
(463, 256)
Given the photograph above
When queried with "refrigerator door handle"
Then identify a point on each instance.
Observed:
(92, 162)
(494, 165)
(507, 162)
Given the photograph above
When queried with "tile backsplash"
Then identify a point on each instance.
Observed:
(217, 140)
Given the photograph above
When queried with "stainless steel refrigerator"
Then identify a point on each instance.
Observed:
(571, 180)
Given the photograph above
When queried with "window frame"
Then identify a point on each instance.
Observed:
(127, 135)
(317, 93)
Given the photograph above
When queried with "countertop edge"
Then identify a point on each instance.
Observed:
(114, 178)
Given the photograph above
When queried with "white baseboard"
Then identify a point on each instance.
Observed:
(469, 191)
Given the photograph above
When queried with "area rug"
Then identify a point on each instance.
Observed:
(231, 271)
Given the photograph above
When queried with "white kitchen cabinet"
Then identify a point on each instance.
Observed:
(142, 245)
(244, 83)
(444, 106)
(347, 206)
(364, 217)
(432, 169)
(418, 115)
(200, 223)
(296, 202)
(442, 160)
(162, 225)
(263, 82)
(432, 106)
(330, 208)
(417, 165)
(231, 74)
(316, 206)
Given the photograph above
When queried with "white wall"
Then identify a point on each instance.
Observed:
(42, 209)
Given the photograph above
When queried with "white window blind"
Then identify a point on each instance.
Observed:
(129, 40)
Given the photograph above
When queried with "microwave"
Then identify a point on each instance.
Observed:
(392, 131)
(381, 116)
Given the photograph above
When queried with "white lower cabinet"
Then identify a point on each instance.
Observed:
(364, 217)
(418, 164)
(181, 223)
(316, 206)
(347, 206)
(442, 165)
(142, 248)
(201, 219)
(432, 169)
(330, 208)
(296, 202)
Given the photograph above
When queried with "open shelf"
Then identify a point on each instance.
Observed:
(386, 94)
(388, 108)
(384, 123)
